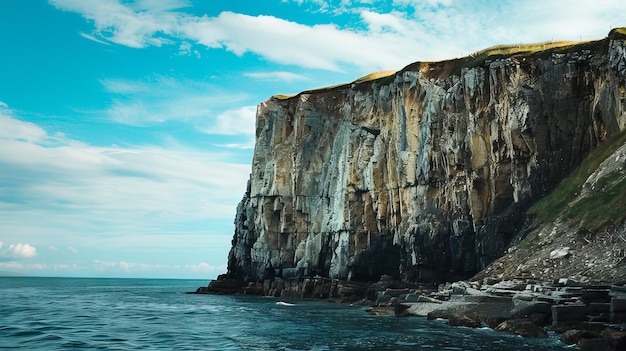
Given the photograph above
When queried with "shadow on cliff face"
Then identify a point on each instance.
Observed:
(380, 259)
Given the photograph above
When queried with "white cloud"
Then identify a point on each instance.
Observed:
(161, 99)
(15, 129)
(135, 25)
(41, 267)
(391, 39)
(186, 49)
(17, 252)
(92, 38)
(239, 121)
(142, 268)
(72, 250)
(277, 76)
(101, 266)
(109, 190)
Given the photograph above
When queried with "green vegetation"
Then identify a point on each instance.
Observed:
(617, 32)
(283, 96)
(374, 76)
(368, 78)
(605, 205)
(454, 66)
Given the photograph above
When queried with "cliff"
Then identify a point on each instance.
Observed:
(426, 174)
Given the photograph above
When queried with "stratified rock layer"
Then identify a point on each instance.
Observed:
(424, 175)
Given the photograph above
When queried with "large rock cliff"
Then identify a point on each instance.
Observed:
(426, 174)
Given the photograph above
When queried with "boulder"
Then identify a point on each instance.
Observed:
(422, 309)
(616, 338)
(572, 336)
(492, 321)
(540, 319)
(560, 253)
(463, 320)
(523, 328)
(593, 344)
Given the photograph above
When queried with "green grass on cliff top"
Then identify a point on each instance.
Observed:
(366, 78)
(606, 205)
(479, 58)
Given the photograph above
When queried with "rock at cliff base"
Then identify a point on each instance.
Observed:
(523, 328)
(463, 320)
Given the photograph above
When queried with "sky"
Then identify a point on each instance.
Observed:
(127, 127)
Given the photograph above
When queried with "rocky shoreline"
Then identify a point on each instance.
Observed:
(590, 316)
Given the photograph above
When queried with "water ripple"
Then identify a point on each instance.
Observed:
(126, 314)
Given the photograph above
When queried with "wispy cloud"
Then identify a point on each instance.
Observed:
(137, 25)
(94, 39)
(239, 121)
(277, 76)
(143, 268)
(384, 38)
(162, 99)
(75, 186)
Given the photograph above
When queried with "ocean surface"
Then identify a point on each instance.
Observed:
(156, 314)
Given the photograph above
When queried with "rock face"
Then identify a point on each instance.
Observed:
(424, 175)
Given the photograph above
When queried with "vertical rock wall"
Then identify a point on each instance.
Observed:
(424, 175)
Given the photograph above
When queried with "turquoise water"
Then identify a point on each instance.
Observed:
(134, 314)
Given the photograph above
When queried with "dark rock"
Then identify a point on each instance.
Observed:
(463, 320)
(594, 344)
(596, 295)
(570, 312)
(572, 336)
(599, 308)
(493, 321)
(600, 318)
(618, 317)
(616, 338)
(401, 310)
(618, 291)
(224, 285)
(561, 327)
(539, 319)
(523, 328)
(439, 314)
(618, 305)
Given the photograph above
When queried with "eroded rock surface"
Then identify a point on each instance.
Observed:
(424, 175)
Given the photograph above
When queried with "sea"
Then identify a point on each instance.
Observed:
(157, 314)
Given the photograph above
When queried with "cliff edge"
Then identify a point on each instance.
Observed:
(427, 174)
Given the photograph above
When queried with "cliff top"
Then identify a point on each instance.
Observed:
(445, 68)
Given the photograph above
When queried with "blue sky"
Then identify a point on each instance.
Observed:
(127, 127)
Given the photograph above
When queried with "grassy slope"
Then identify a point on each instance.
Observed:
(605, 206)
